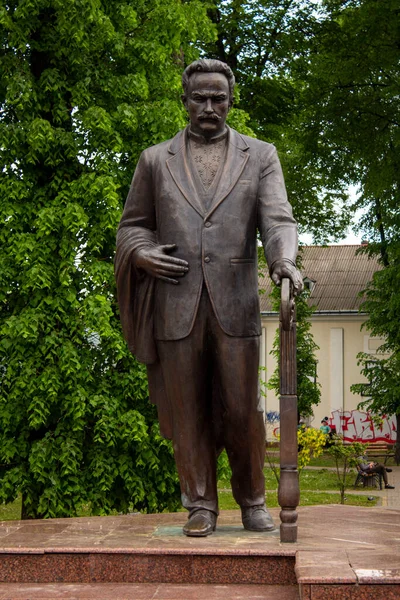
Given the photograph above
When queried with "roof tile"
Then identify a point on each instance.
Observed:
(339, 272)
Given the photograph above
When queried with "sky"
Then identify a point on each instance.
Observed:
(351, 237)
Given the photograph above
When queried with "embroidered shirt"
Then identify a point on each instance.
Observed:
(207, 155)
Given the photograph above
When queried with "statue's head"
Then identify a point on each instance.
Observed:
(208, 95)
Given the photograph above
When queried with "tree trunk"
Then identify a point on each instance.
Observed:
(24, 516)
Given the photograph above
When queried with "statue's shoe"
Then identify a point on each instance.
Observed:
(257, 518)
(201, 523)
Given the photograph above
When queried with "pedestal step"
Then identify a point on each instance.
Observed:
(147, 567)
(146, 591)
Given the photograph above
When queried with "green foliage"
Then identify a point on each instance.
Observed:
(268, 45)
(351, 121)
(311, 445)
(321, 80)
(224, 471)
(382, 388)
(382, 303)
(351, 114)
(345, 456)
(84, 87)
(273, 465)
(382, 370)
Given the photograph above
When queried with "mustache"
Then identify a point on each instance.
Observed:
(213, 117)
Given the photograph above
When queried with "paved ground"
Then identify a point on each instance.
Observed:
(337, 545)
(391, 498)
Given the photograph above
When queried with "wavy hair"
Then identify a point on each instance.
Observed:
(208, 65)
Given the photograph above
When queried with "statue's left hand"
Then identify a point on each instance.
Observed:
(283, 268)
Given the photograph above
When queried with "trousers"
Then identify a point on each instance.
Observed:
(380, 469)
(211, 381)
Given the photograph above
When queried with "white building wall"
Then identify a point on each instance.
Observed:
(340, 339)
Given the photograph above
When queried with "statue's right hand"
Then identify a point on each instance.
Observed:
(156, 262)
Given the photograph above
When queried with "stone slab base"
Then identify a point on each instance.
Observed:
(146, 591)
(342, 552)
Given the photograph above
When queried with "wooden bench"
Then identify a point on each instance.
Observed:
(379, 450)
(368, 479)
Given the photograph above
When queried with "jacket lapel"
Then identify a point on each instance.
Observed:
(178, 166)
(236, 159)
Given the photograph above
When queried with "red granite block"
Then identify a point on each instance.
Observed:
(332, 592)
(377, 592)
(355, 592)
(305, 591)
(171, 569)
(244, 569)
(44, 568)
(119, 568)
(191, 568)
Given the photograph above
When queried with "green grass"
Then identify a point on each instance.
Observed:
(307, 498)
(322, 480)
(11, 511)
(324, 460)
(309, 480)
(316, 486)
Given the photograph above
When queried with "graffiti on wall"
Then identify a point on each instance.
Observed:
(358, 426)
(272, 420)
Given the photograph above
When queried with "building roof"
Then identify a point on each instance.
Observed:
(336, 274)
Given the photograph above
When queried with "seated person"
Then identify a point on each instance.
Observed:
(325, 426)
(368, 467)
(327, 430)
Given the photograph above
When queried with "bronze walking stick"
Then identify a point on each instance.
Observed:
(288, 493)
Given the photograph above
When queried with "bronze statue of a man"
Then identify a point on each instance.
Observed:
(186, 269)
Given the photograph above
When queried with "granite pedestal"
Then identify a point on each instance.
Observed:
(343, 552)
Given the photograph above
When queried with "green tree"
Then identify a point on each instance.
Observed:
(85, 85)
(350, 117)
(311, 445)
(350, 126)
(268, 45)
(382, 371)
(345, 456)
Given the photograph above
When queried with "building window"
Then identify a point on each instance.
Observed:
(309, 284)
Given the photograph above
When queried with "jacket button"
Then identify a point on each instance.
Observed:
(207, 259)
(207, 224)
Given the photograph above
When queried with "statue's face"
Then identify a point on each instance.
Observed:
(208, 103)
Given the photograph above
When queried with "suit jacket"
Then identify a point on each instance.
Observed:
(220, 244)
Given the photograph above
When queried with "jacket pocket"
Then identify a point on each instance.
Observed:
(242, 261)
